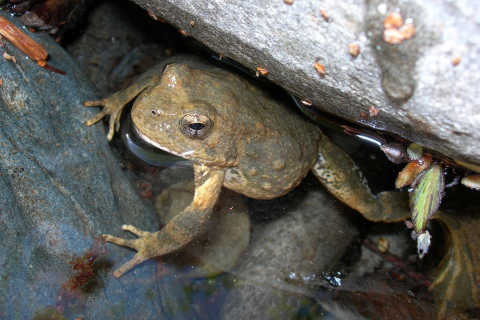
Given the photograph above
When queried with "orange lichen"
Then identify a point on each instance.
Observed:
(373, 111)
(456, 58)
(392, 36)
(354, 49)
(407, 30)
(261, 71)
(393, 20)
(395, 31)
(319, 67)
(324, 14)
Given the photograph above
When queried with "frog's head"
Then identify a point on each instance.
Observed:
(184, 114)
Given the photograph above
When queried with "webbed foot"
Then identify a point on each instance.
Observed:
(146, 245)
(113, 106)
(182, 228)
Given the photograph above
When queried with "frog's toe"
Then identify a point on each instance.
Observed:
(94, 103)
(135, 230)
(130, 243)
(95, 118)
(137, 259)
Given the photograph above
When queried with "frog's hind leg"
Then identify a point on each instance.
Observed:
(181, 229)
(220, 242)
(340, 175)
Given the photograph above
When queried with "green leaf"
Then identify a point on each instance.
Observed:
(426, 196)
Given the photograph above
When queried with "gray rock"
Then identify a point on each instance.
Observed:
(60, 186)
(116, 40)
(420, 95)
(286, 258)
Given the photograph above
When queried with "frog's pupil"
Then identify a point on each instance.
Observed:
(196, 126)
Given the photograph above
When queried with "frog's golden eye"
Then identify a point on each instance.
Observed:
(196, 126)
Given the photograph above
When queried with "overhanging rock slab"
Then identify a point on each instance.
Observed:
(420, 94)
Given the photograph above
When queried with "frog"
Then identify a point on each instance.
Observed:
(238, 136)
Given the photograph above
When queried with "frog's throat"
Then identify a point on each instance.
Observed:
(153, 143)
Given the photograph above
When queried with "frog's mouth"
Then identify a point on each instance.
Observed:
(155, 144)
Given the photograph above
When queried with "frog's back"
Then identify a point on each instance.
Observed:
(276, 147)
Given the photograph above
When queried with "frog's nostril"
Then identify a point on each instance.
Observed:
(154, 113)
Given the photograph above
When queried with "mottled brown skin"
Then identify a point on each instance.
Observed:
(256, 147)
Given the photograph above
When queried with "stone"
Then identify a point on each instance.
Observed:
(421, 96)
(60, 187)
(288, 256)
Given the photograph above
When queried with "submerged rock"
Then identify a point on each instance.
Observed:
(285, 261)
(60, 187)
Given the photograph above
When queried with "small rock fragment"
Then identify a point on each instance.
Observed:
(6, 56)
(407, 30)
(423, 243)
(152, 15)
(261, 71)
(392, 36)
(383, 245)
(354, 49)
(324, 14)
(319, 67)
(373, 111)
(456, 58)
(393, 21)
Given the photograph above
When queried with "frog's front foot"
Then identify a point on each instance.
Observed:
(147, 246)
(113, 107)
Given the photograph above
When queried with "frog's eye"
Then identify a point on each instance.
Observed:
(196, 126)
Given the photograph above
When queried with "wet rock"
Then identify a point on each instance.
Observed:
(118, 41)
(421, 95)
(60, 187)
(286, 257)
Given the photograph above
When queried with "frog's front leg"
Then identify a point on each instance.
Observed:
(339, 174)
(181, 229)
(114, 104)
